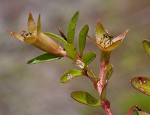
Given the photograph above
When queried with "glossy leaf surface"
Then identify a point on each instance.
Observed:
(142, 84)
(71, 51)
(70, 36)
(71, 28)
(70, 75)
(85, 98)
(44, 58)
(82, 38)
(73, 21)
(88, 58)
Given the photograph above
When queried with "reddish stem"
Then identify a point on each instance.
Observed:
(106, 107)
(100, 86)
(87, 75)
(102, 83)
(108, 111)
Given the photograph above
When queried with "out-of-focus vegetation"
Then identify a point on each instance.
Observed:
(36, 89)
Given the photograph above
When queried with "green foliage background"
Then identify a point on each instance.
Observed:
(36, 89)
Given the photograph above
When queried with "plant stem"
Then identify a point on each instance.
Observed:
(102, 83)
(108, 111)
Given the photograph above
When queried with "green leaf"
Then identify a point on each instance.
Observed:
(70, 36)
(109, 71)
(39, 24)
(55, 36)
(70, 75)
(71, 51)
(71, 28)
(44, 58)
(88, 58)
(85, 98)
(73, 21)
(142, 84)
(146, 44)
(82, 38)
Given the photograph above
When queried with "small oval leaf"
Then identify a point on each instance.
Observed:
(82, 38)
(142, 84)
(55, 36)
(70, 75)
(88, 58)
(85, 98)
(146, 44)
(44, 58)
(71, 51)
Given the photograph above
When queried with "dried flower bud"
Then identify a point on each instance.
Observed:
(37, 38)
(104, 40)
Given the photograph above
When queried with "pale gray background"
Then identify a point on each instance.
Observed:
(36, 89)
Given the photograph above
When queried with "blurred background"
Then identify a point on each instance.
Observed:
(36, 89)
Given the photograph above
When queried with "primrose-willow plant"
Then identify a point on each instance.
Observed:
(105, 42)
